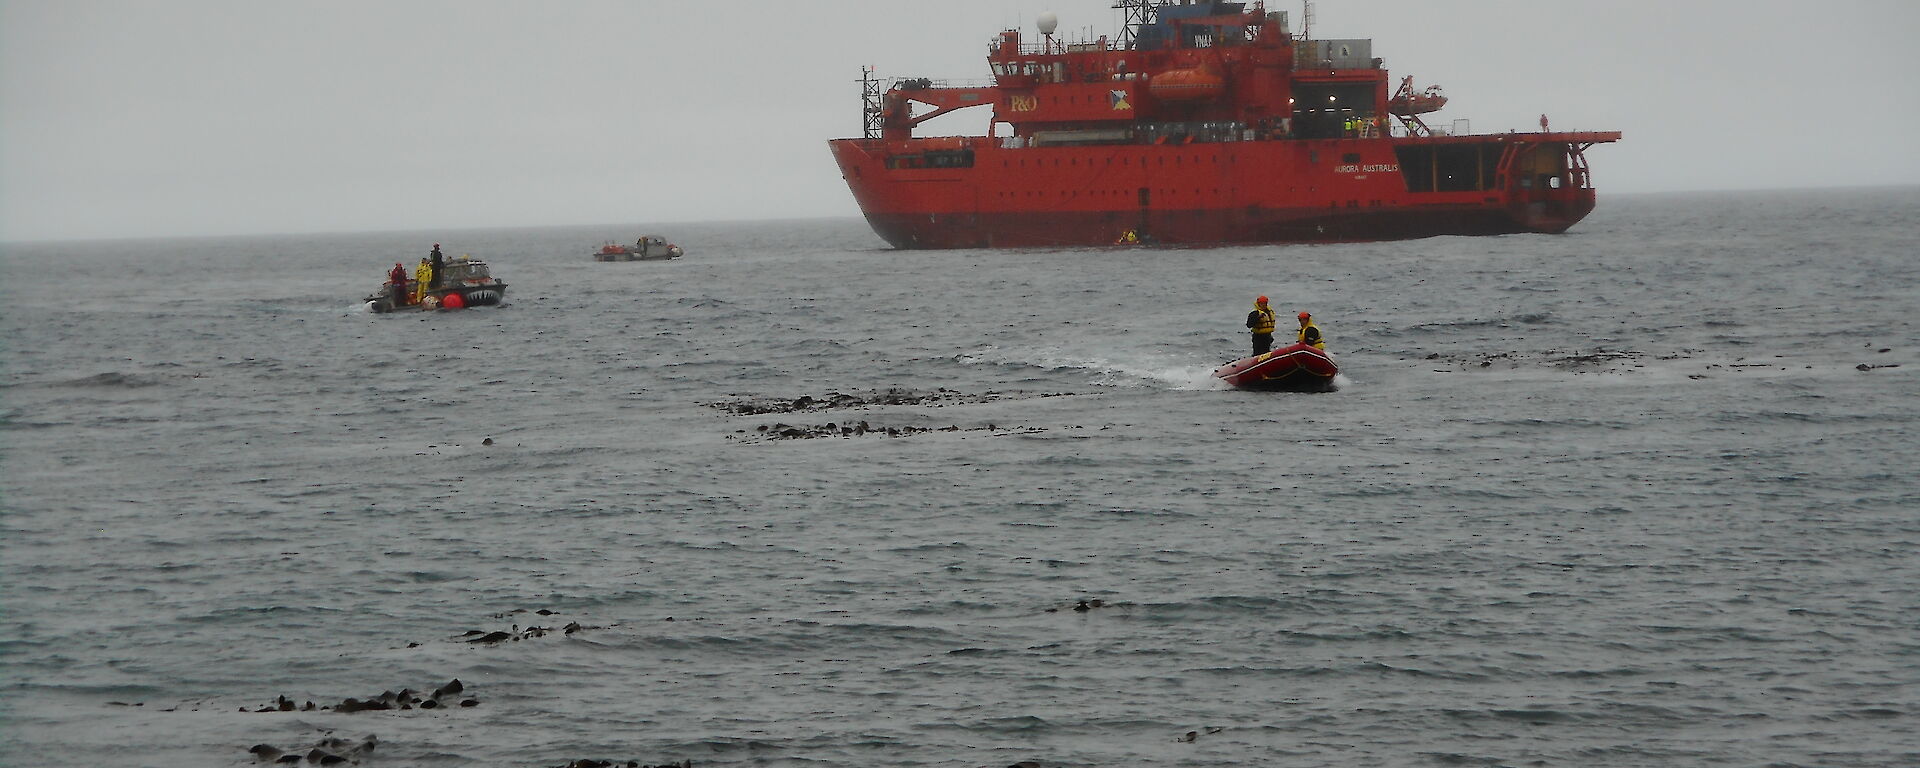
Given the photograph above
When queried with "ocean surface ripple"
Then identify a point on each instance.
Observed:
(1641, 494)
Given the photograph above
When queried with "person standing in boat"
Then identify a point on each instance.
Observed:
(437, 261)
(397, 284)
(423, 275)
(1260, 321)
(1310, 333)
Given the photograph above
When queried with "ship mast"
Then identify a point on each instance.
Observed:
(871, 105)
(1137, 15)
(1306, 20)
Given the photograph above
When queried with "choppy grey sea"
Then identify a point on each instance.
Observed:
(1644, 494)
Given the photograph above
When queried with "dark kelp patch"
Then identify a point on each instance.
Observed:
(401, 700)
(755, 406)
(330, 750)
(864, 429)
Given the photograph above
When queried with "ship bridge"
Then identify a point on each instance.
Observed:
(1195, 72)
(1200, 25)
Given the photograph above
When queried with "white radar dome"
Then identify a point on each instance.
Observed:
(1048, 22)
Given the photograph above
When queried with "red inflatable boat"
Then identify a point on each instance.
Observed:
(1299, 368)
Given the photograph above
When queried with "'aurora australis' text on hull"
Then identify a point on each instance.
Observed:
(1208, 124)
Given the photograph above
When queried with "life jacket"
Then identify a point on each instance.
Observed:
(1260, 319)
(1310, 335)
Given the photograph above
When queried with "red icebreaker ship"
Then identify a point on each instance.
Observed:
(1207, 122)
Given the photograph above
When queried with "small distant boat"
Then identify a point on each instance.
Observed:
(1299, 368)
(647, 248)
(467, 278)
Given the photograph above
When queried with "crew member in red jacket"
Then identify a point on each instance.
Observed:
(397, 284)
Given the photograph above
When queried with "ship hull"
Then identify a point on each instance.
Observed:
(1222, 193)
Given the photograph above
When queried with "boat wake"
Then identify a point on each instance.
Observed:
(1154, 370)
(1176, 377)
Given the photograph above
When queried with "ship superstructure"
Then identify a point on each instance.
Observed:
(1205, 122)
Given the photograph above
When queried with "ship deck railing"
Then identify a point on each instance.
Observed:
(927, 83)
(1054, 48)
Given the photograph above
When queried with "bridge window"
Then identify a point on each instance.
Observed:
(944, 158)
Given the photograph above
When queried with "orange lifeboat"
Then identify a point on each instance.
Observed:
(1406, 103)
(1194, 84)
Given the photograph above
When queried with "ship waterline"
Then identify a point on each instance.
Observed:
(1204, 227)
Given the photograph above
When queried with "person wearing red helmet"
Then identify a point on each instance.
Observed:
(1310, 333)
(1260, 321)
(397, 285)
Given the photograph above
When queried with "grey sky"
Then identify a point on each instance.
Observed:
(183, 117)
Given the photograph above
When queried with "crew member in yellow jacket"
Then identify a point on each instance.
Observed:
(1310, 333)
(1260, 321)
(423, 274)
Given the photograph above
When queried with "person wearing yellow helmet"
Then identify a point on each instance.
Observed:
(423, 279)
(1310, 333)
(1260, 322)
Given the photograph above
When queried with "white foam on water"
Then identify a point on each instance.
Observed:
(1116, 371)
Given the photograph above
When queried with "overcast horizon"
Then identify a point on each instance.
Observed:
(121, 119)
